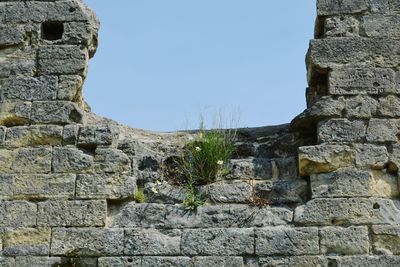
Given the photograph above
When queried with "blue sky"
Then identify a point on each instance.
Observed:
(162, 63)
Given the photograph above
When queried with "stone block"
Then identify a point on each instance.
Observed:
(386, 239)
(8, 262)
(394, 158)
(218, 242)
(71, 159)
(70, 134)
(26, 241)
(331, 7)
(30, 88)
(324, 158)
(354, 183)
(282, 192)
(229, 192)
(105, 186)
(344, 241)
(343, 26)
(69, 88)
(68, 10)
(32, 160)
(17, 214)
(77, 213)
(66, 59)
(353, 52)
(381, 26)
(120, 262)
(6, 187)
(253, 168)
(361, 107)
(56, 112)
(87, 242)
(109, 160)
(37, 261)
(341, 130)
(11, 35)
(152, 242)
(211, 261)
(165, 193)
(344, 211)
(77, 32)
(389, 106)
(370, 261)
(16, 61)
(97, 135)
(175, 261)
(21, 12)
(36, 135)
(294, 261)
(371, 156)
(15, 113)
(286, 241)
(44, 186)
(359, 81)
(3, 131)
(383, 130)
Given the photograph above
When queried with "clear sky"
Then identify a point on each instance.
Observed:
(162, 63)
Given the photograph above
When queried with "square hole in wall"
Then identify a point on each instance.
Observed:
(52, 30)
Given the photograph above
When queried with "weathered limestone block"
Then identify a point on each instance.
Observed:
(354, 183)
(286, 241)
(7, 158)
(386, 239)
(370, 261)
(77, 213)
(11, 35)
(326, 107)
(152, 242)
(17, 214)
(30, 88)
(331, 7)
(281, 191)
(15, 113)
(6, 187)
(383, 130)
(56, 112)
(70, 134)
(355, 81)
(20, 12)
(16, 61)
(97, 135)
(32, 160)
(394, 158)
(26, 241)
(354, 52)
(344, 241)
(381, 26)
(78, 33)
(324, 158)
(109, 160)
(2, 134)
(295, 261)
(36, 135)
(119, 261)
(71, 159)
(389, 106)
(343, 211)
(219, 242)
(69, 87)
(166, 193)
(253, 168)
(229, 192)
(361, 107)
(62, 60)
(43, 186)
(343, 26)
(87, 242)
(40, 261)
(371, 156)
(173, 216)
(166, 261)
(8, 262)
(105, 186)
(201, 261)
(341, 130)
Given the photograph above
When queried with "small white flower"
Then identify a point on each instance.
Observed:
(220, 162)
(154, 190)
(198, 148)
(158, 182)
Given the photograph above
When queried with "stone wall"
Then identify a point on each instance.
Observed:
(330, 178)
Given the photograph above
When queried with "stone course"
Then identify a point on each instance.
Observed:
(321, 191)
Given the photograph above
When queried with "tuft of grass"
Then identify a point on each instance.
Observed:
(140, 196)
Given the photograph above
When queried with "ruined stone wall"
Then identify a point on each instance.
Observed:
(330, 178)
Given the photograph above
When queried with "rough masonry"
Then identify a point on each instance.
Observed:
(68, 177)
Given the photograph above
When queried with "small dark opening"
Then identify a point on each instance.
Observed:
(52, 30)
(332, 263)
(376, 206)
(72, 9)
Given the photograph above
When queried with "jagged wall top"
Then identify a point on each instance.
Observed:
(44, 51)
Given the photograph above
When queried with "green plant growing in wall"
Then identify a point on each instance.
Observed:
(204, 160)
